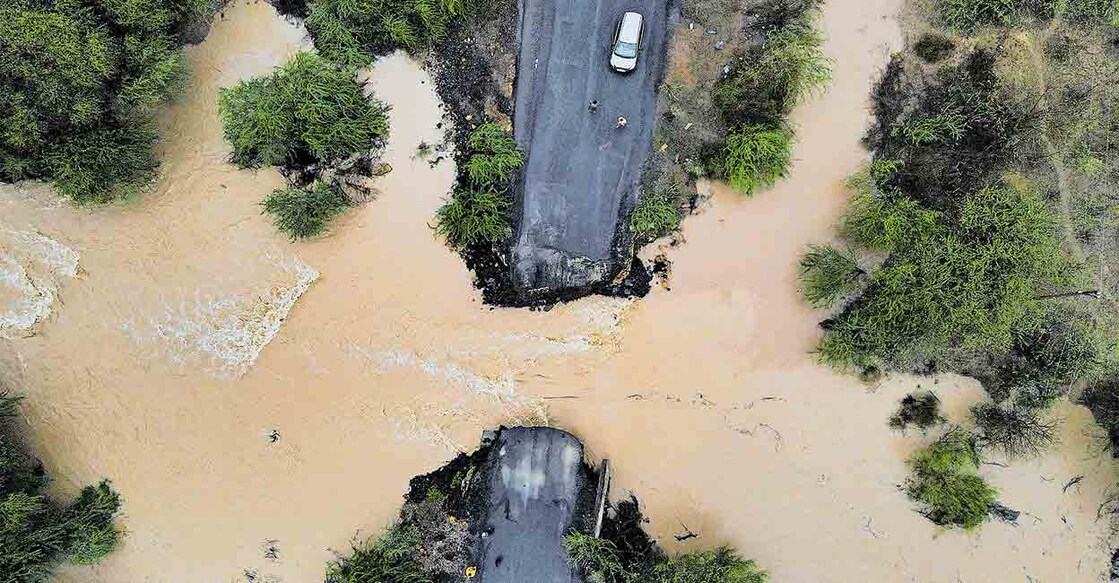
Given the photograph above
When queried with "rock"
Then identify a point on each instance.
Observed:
(1004, 514)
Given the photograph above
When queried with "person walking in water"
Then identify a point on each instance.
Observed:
(621, 122)
(593, 106)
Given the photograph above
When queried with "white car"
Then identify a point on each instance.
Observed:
(627, 42)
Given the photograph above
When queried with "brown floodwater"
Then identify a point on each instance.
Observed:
(164, 366)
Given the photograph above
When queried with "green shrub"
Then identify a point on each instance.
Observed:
(82, 79)
(656, 215)
(967, 15)
(944, 482)
(600, 561)
(478, 209)
(305, 212)
(304, 112)
(1090, 11)
(828, 273)
(767, 81)
(387, 558)
(966, 283)
(1015, 430)
(722, 565)
(597, 558)
(354, 32)
(1102, 399)
(472, 217)
(921, 409)
(755, 157)
(36, 534)
(764, 82)
(942, 128)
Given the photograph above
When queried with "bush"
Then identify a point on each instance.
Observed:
(968, 282)
(933, 48)
(828, 273)
(967, 15)
(305, 112)
(36, 534)
(722, 565)
(1015, 430)
(82, 79)
(764, 83)
(944, 482)
(657, 214)
(354, 32)
(1102, 399)
(478, 210)
(390, 557)
(474, 217)
(597, 558)
(921, 409)
(755, 157)
(305, 212)
(600, 561)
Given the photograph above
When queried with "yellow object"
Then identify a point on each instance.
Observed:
(471, 572)
(450, 519)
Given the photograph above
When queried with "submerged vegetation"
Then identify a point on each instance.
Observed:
(945, 483)
(38, 533)
(314, 121)
(478, 210)
(988, 212)
(921, 409)
(82, 80)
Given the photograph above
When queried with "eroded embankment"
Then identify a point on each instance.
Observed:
(705, 396)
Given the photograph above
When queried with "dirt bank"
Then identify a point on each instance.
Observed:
(705, 396)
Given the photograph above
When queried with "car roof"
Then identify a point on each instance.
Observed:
(631, 27)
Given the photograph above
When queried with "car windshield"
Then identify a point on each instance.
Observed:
(627, 50)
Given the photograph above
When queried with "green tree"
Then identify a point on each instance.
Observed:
(81, 81)
(966, 282)
(306, 112)
(354, 32)
(37, 533)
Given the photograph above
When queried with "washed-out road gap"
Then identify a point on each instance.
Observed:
(582, 172)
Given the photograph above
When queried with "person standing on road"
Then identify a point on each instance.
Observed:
(621, 122)
(593, 106)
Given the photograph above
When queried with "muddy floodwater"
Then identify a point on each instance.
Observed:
(165, 362)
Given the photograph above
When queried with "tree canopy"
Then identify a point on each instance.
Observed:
(38, 533)
(79, 81)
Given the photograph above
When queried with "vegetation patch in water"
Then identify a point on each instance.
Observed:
(314, 121)
(38, 533)
(986, 217)
(945, 483)
(82, 81)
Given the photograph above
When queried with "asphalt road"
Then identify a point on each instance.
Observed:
(581, 171)
(534, 487)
